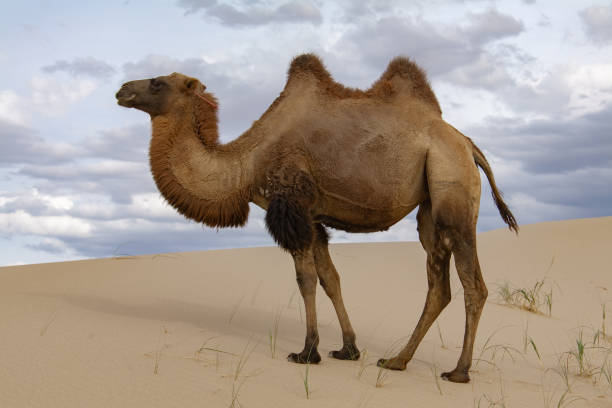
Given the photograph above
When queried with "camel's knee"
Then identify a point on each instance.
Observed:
(476, 297)
(306, 283)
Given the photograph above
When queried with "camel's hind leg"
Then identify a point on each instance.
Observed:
(454, 189)
(454, 193)
(475, 295)
(330, 281)
(438, 295)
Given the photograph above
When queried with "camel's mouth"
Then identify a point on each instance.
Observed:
(125, 100)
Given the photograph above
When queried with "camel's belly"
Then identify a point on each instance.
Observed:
(352, 215)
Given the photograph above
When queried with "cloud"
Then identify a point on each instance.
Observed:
(21, 145)
(22, 223)
(116, 178)
(54, 97)
(129, 143)
(294, 11)
(552, 145)
(439, 49)
(549, 169)
(11, 107)
(82, 67)
(597, 21)
(156, 65)
(490, 26)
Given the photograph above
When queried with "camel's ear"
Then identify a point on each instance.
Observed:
(192, 83)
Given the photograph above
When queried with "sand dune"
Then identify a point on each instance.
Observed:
(170, 330)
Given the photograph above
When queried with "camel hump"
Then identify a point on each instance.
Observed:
(309, 64)
(403, 74)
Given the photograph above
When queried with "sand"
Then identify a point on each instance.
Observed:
(170, 330)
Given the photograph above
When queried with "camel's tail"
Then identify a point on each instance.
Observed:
(504, 211)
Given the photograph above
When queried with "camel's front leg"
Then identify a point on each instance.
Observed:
(330, 280)
(306, 275)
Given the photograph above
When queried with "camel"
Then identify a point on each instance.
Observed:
(324, 155)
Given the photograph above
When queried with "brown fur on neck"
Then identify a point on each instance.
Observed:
(382, 88)
(205, 121)
(228, 210)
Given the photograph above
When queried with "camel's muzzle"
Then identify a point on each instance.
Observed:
(125, 97)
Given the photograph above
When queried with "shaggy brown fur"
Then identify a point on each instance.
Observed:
(383, 88)
(323, 154)
(231, 210)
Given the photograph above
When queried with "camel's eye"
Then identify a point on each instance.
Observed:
(156, 84)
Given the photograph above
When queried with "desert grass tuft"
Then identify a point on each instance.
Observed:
(440, 335)
(563, 371)
(237, 381)
(362, 363)
(496, 350)
(273, 332)
(528, 341)
(535, 299)
(436, 376)
(383, 372)
(306, 375)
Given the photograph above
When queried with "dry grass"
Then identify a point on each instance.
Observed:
(273, 332)
(238, 379)
(536, 299)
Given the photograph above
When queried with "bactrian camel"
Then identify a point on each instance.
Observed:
(324, 155)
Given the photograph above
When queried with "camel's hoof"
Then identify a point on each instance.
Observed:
(312, 357)
(347, 352)
(456, 376)
(392, 364)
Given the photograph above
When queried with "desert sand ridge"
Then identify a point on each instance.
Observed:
(169, 330)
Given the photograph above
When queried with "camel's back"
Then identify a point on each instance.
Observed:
(370, 155)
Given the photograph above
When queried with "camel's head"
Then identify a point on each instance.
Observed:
(161, 95)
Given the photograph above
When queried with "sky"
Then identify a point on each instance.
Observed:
(529, 81)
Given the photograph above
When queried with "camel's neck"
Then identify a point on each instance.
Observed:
(204, 181)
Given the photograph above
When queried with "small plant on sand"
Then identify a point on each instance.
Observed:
(606, 372)
(382, 375)
(486, 400)
(563, 401)
(534, 299)
(306, 376)
(273, 332)
(383, 372)
(495, 350)
(528, 341)
(436, 376)
(579, 356)
(237, 382)
(563, 371)
(440, 335)
(362, 363)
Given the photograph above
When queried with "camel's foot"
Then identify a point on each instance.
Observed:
(347, 352)
(392, 363)
(305, 357)
(458, 376)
